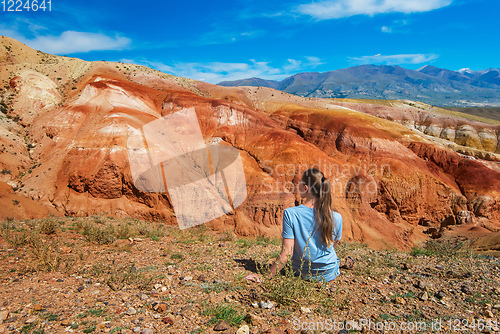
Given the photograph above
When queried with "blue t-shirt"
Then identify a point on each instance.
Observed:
(309, 250)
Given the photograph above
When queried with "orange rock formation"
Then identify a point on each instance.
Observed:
(67, 121)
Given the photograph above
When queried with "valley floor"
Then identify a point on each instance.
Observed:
(100, 274)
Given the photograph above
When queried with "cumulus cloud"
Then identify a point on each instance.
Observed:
(335, 9)
(417, 58)
(75, 42)
(215, 72)
(386, 29)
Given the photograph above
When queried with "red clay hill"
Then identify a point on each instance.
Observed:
(65, 122)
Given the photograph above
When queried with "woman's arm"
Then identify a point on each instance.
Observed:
(281, 260)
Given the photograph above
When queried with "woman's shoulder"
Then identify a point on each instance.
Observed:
(297, 209)
(337, 215)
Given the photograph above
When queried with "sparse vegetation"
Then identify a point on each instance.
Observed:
(3, 107)
(49, 226)
(229, 313)
(198, 273)
(290, 289)
(5, 171)
(98, 235)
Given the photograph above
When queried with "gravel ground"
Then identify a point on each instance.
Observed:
(98, 274)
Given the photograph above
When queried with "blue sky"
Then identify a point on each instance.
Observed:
(228, 40)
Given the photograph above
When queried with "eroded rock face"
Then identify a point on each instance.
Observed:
(390, 183)
(36, 94)
(428, 120)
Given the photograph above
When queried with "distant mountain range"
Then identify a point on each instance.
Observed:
(429, 84)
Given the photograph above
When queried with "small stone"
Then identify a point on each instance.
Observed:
(405, 266)
(11, 319)
(112, 286)
(423, 296)
(222, 326)
(80, 288)
(488, 314)
(137, 329)
(349, 263)
(38, 307)
(202, 278)
(496, 306)
(243, 330)
(440, 294)
(305, 310)
(160, 307)
(188, 278)
(421, 285)
(144, 296)
(168, 321)
(59, 280)
(147, 331)
(354, 325)
(465, 289)
(65, 323)
(30, 320)
(267, 304)
(103, 325)
(131, 311)
(3, 315)
(157, 286)
(254, 319)
(400, 301)
(439, 266)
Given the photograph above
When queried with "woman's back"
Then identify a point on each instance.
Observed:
(311, 256)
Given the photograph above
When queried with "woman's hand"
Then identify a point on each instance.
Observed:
(254, 278)
(281, 260)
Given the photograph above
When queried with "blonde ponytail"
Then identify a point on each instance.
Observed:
(321, 189)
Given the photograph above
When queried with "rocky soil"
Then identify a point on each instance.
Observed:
(100, 274)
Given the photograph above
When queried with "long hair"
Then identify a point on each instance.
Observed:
(321, 188)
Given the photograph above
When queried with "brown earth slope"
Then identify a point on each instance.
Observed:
(65, 124)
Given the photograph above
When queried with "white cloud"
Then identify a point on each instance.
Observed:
(396, 26)
(225, 35)
(335, 9)
(417, 58)
(292, 65)
(74, 42)
(215, 72)
(298, 65)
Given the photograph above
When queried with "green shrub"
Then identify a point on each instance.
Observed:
(232, 315)
(97, 235)
(49, 226)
